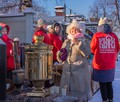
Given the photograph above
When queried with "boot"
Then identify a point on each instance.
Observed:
(105, 101)
(110, 100)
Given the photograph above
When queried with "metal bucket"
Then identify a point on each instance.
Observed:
(18, 76)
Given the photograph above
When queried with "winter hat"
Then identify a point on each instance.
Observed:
(102, 21)
(41, 22)
(75, 24)
(49, 26)
(53, 27)
(56, 24)
(2, 25)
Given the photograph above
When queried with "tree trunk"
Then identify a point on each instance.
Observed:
(117, 11)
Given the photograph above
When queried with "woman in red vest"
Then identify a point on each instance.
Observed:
(105, 47)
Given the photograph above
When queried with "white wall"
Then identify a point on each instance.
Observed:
(21, 25)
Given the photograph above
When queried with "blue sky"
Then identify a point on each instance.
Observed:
(77, 6)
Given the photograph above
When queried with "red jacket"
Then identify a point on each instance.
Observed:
(41, 32)
(57, 43)
(105, 48)
(8, 41)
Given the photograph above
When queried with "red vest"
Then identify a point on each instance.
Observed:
(105, 48)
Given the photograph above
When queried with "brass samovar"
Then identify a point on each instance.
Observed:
(38, 65)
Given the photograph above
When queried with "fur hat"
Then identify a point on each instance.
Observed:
(75, 24)
(41, 22)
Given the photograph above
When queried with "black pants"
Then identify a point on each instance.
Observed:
(106, 90)
(9, 74)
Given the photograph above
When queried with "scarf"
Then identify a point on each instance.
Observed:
(77, 36)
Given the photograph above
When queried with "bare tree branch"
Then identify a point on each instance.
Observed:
(7, 6)
(106, 8)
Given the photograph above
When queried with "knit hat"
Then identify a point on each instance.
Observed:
(41, 22)
(102, 21)
(103, 25)
(49, 26)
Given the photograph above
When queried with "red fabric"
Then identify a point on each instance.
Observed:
(41, 32)
(57, 43)
(105, 48)
(8, 41)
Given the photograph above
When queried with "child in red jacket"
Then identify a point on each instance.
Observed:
(4, 31)
(55, 39)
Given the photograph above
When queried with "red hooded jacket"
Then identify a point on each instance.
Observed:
(57, 43)
(105, 48)
(8, 41)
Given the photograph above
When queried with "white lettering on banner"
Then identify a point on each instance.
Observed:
(107, 44)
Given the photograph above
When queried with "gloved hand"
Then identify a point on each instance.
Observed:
(0, 35)
(56, 63)
(63, 54)
(0, 28)
(91, 56)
